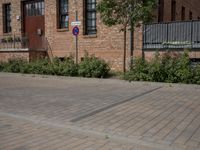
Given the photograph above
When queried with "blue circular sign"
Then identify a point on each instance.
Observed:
(75, 31)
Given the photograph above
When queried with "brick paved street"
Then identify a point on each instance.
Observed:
(43, 112)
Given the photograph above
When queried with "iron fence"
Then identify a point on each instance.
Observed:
(174, 35)
(13, 41)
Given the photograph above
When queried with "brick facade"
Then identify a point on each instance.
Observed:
(190, 5)
(106, 44)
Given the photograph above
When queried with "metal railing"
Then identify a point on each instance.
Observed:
(172, 35)
(13, 42)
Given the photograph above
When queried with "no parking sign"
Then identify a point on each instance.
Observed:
(75, 31)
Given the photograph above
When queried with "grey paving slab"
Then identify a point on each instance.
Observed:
(62, 99)
(45, 112)
(168, 116)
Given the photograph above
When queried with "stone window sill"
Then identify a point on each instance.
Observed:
(90, 36)
(62, 30)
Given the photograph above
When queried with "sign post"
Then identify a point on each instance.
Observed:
(75, 32)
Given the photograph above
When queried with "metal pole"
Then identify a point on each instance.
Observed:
(76, 40)
(14, 40)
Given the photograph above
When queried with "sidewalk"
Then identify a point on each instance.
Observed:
(50, 113)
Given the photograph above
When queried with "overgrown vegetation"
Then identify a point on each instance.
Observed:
(93, 67)
(167, 68)
(162, 68)
(89, 67)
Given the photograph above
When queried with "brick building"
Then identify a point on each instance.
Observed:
(46, 24)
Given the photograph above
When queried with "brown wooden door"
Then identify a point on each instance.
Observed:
(34, 25)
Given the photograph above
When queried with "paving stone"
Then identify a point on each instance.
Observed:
(36, 114)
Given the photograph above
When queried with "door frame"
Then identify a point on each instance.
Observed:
(23, 13)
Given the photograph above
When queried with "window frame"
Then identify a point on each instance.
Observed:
(59, 15)
(7, 19)
(88, 29)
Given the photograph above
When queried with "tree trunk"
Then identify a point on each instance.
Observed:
(124, 59)
(131, 47)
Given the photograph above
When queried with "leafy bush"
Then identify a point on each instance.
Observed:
(90, 67)
(37, 67)
(14, 65)
(93, 67)
(67, 67)
(182, 69)
(167, 68)
(139, 71)
(2, 66)
(196, 75)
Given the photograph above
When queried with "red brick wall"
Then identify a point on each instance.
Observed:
(106, 44)
(5, 56)
(190, 5)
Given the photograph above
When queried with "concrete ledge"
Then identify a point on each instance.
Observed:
(14, 50)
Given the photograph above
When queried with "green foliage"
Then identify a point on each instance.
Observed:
(89, 67)
(167, 68)
(125, 12)
(14, 65)
(196, 75)
(2, 66)
(139, 71)
(155, 69)
(37, 67)
(93, 67)
(41, 66)
(67, 67)
(182, 69)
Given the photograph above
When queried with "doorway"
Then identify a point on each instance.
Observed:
(34, 23)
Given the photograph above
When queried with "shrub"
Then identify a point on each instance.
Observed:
(155, 69)
(93, 67)
(2, 66)
(196, 75)
(139, 71)
(89, 67)
(67, 67)
(40, 66)
(14, 65)
(183, 68)
(167, 68)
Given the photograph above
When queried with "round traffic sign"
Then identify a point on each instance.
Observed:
(75, 31)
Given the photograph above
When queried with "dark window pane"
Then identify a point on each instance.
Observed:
(63, 14)
(7, 18)
(34, 8)
(183, 13)
(90, 17)
(173, 10)
(190, 15)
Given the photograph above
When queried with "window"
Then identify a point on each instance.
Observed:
(183, 13)
(190, 15)
(161, 11)
(7, 18)
(90, 17)
(173, 10)
(63, 16)
(34, 8)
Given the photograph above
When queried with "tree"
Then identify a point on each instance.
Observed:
(127, 13)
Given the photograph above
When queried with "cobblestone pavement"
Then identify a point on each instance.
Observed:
(43, 112)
